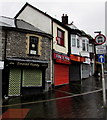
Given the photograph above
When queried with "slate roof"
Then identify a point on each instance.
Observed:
(20, 25)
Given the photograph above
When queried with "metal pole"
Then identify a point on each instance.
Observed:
(103, 85)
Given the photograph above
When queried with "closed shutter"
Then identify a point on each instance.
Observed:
(61, 74)
(32, 77)
(75, 73)
(14, 82)
(85, 71)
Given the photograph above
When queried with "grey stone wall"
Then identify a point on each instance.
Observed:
(2, 44)
(16, 48)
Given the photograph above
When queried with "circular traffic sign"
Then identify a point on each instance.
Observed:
(100, 39)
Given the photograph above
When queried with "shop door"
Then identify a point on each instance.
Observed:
(61, 74)
(14, 82)
(32, 77)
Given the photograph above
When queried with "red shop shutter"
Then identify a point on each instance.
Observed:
(61, 74)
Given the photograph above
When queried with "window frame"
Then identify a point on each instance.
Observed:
(33, 43)
(60, 39)
(78, 43)
(84, 45)
(73, 38)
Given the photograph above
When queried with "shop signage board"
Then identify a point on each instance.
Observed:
(77, 58)
(61, 58)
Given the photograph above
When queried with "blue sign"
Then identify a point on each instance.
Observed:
(101, 58)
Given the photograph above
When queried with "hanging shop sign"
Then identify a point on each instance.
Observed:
(77, 58)
(100, 39)
(61, 58)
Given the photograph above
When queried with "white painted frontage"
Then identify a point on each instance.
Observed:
(55, 45)
(74, 49)
(78, 50)
(37, 19)
(85, 69)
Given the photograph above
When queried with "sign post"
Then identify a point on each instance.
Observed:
(101, 58)
(100, 50)
(103, 85)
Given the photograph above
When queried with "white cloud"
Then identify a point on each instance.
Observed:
(87, 15)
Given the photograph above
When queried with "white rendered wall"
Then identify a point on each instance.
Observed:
(37, 19)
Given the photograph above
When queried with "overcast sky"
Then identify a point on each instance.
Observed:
(88, 16)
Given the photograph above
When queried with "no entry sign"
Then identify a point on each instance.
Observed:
(100, 39)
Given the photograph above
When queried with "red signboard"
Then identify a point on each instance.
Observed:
(83, 59)
(77, 58)
(61, 58)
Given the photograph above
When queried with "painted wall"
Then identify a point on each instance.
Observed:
(55, 45)
(75, 50)
(36, 18)
(85, 53)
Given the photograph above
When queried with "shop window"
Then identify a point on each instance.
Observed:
(60, 37)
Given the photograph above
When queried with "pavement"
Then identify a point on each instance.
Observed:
(81, 101)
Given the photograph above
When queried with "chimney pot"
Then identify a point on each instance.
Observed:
(65, 19)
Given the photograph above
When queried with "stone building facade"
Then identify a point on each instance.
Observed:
(25, 71)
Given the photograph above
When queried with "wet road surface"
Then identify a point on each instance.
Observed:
(76, 100)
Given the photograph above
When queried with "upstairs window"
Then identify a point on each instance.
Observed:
(73, 40)
(33, 45)
(83, 45)
(78, 43)
(60, 37)
(87, 46)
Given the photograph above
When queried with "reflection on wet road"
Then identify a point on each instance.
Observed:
(69, 101)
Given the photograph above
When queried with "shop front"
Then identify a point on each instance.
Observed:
(85, 68)
(61, 68)
(75, 67)
(24, 76)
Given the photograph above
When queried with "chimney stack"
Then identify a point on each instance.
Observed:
(65, 19)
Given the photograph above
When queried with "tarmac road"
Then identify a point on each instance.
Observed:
(75, 101)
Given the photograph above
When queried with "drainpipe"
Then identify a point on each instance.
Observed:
(4, 59)
(52, 57)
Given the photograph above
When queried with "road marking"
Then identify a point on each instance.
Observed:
(64, 92)
(54, 99)
(15, 114)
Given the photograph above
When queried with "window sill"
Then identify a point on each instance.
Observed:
(60, 45)
(33, 55)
